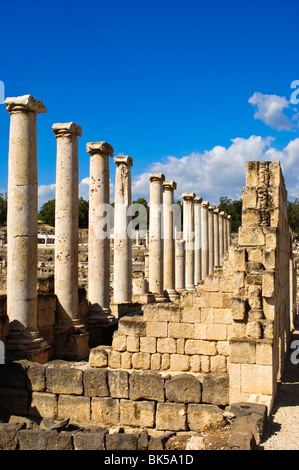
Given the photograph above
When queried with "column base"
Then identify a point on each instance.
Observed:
(26, 345)
(172, 294)
(71, 341)
(160, 297)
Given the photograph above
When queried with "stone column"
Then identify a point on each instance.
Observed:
(225, 232)
(169, 242)
(229, 230)
(188, 209)
(24, 340)
(180, 265)
(197, 248)
(99, 238)
(204, 239)
(122, 235)
(221, 236)
(211, 238)
(216, 237)
(71, 339)
(155, 236)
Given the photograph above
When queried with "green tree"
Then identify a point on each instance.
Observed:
(293, 215)
(83, 213)
(3, 209)
(144, 203)
(233, 208)
(47, 213)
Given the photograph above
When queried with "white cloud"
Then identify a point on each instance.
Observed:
(270, 109)
(46, 192)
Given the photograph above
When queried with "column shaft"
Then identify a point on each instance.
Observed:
(180, 265)
(221, 236)
(169, 242)
(205, 239)
(122, 237)
(197, 248)
(216, 238)
(188, 208)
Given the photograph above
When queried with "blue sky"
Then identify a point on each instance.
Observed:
(192, 88)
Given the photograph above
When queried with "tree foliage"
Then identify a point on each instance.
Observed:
(233, 208)
(293, 215)
(47, 213)
(3, 209)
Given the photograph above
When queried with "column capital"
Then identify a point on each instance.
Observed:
(99, 147)
(24, 103)
(229, 217)
(197, 200)
(169, 186)
(211, 208)
(225, 215)
(188, 197)
(222, 213)
(123, 160)
(205, 203)
(216, 211)
(156, 177)
(67, 129)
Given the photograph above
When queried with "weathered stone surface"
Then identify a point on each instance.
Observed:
(36, 378)
(137, 413)
(121, 441)
(183, 388)
(171, 417)
(118, 382)
(8, 436)
(143, 441)
(33, 439)
(253, 423)
(43, 404)
(241, 441)
(105, 411)
(90, 440)
(132, 326)
(204, 417)
(215, 390)
(64, 380)
(95, 382)
(248, 408)
(74, 407)
(98, 357)
(146, 386)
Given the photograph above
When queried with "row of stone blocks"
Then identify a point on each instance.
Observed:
(106, 397)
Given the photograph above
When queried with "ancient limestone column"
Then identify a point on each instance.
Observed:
(188, 212)
(197, 247)
(204, 239)
(180, 265)
(221, 235)
(99, 234)
(225, 232)
(156, 236)
(216, 237)
(229, 230)
(67, 224)
(168, 239)
(122, 235)
(211, 238)
(24, 339)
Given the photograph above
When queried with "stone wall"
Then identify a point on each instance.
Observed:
(103, 397)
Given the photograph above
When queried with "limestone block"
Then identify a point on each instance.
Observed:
(180, 346)
(165, 361)
(140, 414)
(141, 360)
(223, 348)
(105, 411)
(9, 436)
(215, 390)
(272, 237)
(121, 442)
(36, 378)
(216, 332)
(218, 364)
(148, 344)
(118, 382)
(146, 386)
(126, 360)
(171, 417)
(269, 258)
(268, 284)
(243, 352)
(183, 388)
(90, 440)
(202, 417)
(166, 345)
(156, 361)
(98, 357)
(257, 379)
(252, 173)
(254, 330)
(119, 342)
(132, 326)
(64, 380)
(74, 407)
(190, 314)
(170, 314)
(179, 362)
(201, 347)
(43, 404)
(114, 359)
(156, 329)
(251, 236)
(249, 197)
(251, 218)
(195, 363)
(264, 353)
(205, 364)
(239, 308)
(95, 382)
(211, 283)
(133, 343)
(181, 330)
(223, 316)
(40, 440)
